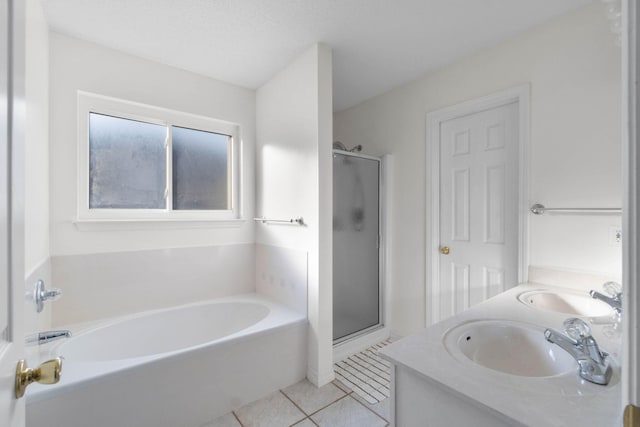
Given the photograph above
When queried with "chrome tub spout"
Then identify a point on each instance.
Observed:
(47, 336)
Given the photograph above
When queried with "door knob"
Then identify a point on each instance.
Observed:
(444, 250)
(47, 373)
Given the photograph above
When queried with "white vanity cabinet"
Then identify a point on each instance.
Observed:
(433, 385)
(420, 401)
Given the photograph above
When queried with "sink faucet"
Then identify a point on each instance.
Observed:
(593, 363)
(47, 336)
(615, 296)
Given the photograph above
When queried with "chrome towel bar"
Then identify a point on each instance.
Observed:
(539, 209)
(292, 221)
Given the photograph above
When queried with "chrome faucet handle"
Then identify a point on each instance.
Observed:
(614, 298)
(594, 364)
(614, 289)
(576, 328)
(40, 295)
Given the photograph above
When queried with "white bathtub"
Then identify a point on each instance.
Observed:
(182, 366)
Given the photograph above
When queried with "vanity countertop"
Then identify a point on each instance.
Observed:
(562, 400)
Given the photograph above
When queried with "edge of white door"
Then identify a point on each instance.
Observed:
(12, 410)
(630, 207)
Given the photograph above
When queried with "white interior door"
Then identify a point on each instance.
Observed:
(11, 209)
(478, 207)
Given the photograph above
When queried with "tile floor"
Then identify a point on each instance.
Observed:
(304, 405)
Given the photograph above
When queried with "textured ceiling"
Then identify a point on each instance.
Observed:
(377, 44)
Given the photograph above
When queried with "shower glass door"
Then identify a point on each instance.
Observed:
(356, 249)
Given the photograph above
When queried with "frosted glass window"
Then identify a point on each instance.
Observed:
(127, 163)
(200, 161)
(140, 163)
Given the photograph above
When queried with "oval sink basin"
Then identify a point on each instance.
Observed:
(566, 302)
(509, 347)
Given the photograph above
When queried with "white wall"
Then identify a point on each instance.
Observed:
(573, 67)
(105, 285)
(293, 178)
(37, 137)
(79, 65)
(37, 160)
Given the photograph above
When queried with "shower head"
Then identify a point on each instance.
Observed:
(337, 145)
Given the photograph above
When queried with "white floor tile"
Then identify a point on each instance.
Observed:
(305, 423)
(347, 412)
(311, 398)
(227, 420)
(274, 410)
(382, 408)
(342, 386)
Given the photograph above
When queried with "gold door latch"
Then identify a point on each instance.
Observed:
(47, 373)
(631, 416)
(444, 250)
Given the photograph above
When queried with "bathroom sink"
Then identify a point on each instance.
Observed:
(509, 347)
(566, 302)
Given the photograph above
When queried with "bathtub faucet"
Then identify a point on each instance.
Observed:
(593, 363)
(47, 336)
(615, 296)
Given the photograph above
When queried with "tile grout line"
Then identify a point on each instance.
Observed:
(237, 419)
(305, 418)
(372, 411)
(345, 391)
(296, 405)
(308, 416)
(326, 406)
(364, 392)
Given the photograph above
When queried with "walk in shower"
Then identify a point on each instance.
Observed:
(356, 244)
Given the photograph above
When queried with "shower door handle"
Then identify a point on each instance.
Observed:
(444, 250)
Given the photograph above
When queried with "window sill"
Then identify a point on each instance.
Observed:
(154, 224)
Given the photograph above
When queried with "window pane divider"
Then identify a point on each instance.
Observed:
(169, 183)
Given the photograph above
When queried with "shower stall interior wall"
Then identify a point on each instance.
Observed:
(356, 245)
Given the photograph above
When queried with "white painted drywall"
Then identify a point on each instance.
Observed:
(573, 67)
(78, 65)
(293, 179)
(36, 137)
(36, 230)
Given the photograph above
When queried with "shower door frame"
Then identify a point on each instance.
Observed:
(381, 249)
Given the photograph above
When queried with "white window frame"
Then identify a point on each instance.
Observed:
(92, 103)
